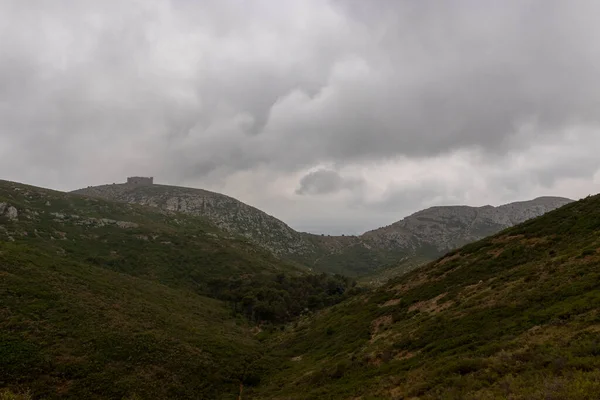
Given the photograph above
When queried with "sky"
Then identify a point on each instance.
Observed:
(335, 116)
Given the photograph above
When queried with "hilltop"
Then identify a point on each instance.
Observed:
(515, 315)
(393, 249)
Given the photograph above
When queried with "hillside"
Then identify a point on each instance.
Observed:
(515, 315)
(394, 249)
(108, 300)
(102, 299)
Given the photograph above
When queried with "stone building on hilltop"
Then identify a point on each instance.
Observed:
(140, 180)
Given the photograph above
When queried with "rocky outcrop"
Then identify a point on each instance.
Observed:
(9, 211)
(92, 222)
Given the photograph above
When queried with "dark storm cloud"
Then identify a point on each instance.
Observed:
(324, 181)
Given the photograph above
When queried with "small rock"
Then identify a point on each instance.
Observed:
(48, 204)
(12, 213)
(125, 224)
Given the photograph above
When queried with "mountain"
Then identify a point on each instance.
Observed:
(448, 227)
(100, 299)
(393, 249)
(512, 316)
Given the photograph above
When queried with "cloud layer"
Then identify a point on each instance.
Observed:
(332, 115)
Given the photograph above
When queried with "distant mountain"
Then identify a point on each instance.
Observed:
(447, 227)
(400, 246)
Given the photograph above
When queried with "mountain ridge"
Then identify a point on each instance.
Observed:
(424, 234)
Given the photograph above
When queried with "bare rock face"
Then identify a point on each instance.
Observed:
(432, 231)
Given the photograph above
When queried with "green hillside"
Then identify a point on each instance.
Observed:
(110, 300)
(516, 315)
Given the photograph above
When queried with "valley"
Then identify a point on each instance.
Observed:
(144, 298)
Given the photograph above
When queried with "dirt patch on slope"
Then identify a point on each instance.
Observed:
(392, 302)
(379, 323)
(432, 305)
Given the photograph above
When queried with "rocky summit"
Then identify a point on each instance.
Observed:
(400, 246)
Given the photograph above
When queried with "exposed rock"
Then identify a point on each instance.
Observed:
(125, 224)
(10, 212)
(97, 222)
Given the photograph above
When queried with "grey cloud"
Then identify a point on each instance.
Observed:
(460, 76)
(197, 91)
(326, 181)
(374, 80)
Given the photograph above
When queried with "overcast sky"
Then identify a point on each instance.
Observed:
(332, 115)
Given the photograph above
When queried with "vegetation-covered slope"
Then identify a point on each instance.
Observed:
(516, 315)
(110, 300)
(74, 330)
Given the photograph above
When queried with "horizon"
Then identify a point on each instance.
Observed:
(320, 232)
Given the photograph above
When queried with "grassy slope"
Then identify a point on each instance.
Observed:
(513, 316)
(89, 309)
